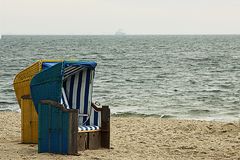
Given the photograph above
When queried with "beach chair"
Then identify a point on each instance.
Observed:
(29, 118)
(68, 119)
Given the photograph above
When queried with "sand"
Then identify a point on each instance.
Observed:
(139, 138)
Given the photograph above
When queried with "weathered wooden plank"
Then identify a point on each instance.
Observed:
(82, 141)
(73, 133)
(105, 129)
(94, 140)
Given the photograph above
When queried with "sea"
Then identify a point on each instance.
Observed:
(167, 76)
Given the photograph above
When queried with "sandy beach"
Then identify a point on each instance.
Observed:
(139, 138)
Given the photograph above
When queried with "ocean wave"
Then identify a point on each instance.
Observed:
(199, 111)
(6, 103)
(8, 90)
(135, 114)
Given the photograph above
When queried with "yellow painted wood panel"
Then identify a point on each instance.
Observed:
(29, 119)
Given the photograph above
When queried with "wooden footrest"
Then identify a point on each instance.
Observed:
(89, 140)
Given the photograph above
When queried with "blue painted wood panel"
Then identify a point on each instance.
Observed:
(53, 129)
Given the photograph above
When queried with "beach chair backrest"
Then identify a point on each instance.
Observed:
(77, 93)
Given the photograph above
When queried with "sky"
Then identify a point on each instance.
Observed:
(97, 17)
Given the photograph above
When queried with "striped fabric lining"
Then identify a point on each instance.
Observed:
(71, 70)
(64, 99)
(77, 94)
(88, 128)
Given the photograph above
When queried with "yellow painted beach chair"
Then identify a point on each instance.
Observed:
(29, 117)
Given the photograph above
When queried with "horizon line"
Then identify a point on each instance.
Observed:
(117, 35)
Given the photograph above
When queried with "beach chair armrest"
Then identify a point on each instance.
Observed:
(98, 109)
(95, 107)
(26, 97)
(57, 105)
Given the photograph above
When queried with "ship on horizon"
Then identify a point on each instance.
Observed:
(120, 33)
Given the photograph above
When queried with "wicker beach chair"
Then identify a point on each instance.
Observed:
(68, 120)
(29, 117)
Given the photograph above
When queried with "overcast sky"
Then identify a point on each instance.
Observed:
(132, 16)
